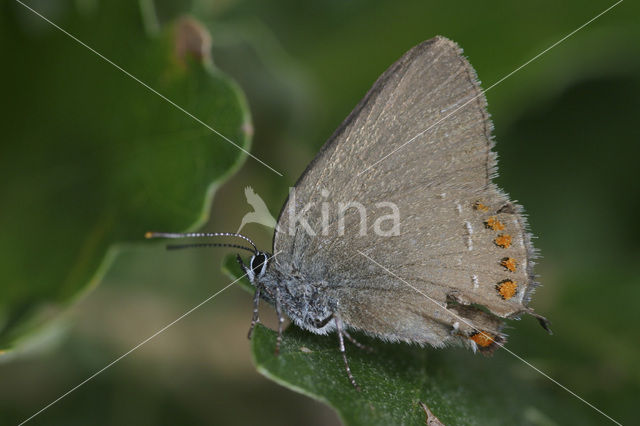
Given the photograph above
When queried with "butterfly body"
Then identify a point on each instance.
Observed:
(310, 305)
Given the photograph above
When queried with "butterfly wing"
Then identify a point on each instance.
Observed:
(420, 140)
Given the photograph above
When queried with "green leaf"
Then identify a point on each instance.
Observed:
(90, 157)
(459, 387)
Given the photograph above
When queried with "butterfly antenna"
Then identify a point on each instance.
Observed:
(202, 235)
(183, 246)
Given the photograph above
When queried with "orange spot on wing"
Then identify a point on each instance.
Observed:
(479, 206)
(509, 263)
(482, 339)
(493, 223)
(503, 240)
(507, 289)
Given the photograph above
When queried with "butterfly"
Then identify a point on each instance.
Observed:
(448, 256)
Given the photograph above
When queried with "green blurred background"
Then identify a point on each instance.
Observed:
(568, 141)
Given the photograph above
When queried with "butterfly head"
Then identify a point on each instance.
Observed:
(257, 266)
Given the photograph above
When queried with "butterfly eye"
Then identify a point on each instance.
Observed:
(259, 264)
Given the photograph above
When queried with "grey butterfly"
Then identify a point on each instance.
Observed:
(462, 260)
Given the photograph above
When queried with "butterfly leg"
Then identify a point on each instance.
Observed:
(355, 342)
(280, 321)
(341, 332)
(256, 299)
(255, 318)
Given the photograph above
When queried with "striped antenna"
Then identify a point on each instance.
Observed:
(183, 246)
(200, 235)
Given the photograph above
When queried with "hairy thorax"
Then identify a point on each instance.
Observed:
(308, 304)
